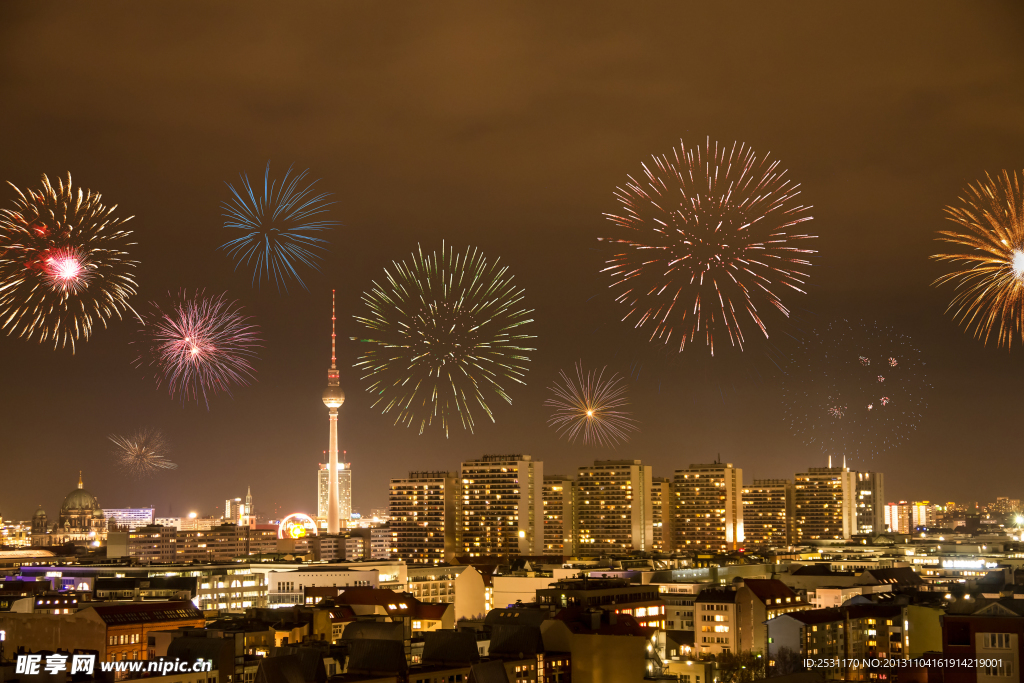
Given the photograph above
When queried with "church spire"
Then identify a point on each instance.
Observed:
(79, 478)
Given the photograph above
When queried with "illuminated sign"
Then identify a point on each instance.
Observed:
(296, 525)
(968, 564)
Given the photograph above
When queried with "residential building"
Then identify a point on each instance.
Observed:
(355, 548)
(558, 492)
(502, 506)
(614, 513)
(898, 517)
(286, 588)
(386, 605)
(758, 600)
(423, 508)
(716, 621)
(679, 600)
(661, 515)
(989, 632)
(825, 504)
(461, 585)
(128, 518)
(768, 506)
(381, 542)
(870, 506)
(708, 507)
(642, 602)
(344, 492)
(163, 544)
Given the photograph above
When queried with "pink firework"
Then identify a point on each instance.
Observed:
(892, 363)
(67, 270)
(865, 361)
(881, 379)
(836, 412)
(200, 345)
(884, 400)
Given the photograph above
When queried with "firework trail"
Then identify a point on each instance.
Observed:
(199, 345)
(706, 239)
(836, 398)
(446, 330)
(142, 453)
(592, 406)
(63, 264)
(989, 282)
(279, 227)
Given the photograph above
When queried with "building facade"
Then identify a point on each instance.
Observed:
(870, 503)
(502, 506)
(825, 504)
(423, 508)
(344, 492)
(614, 513)
(707, 510)
(768, 506)
(128, 518)
(661, 515)
(558, 492)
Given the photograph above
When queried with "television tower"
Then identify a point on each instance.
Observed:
(333, 398)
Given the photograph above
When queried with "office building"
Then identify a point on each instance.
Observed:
(707, 507)
(128, 518)
(613, 508)
(502, 506)
(825, 504)
(661, 515)
(558, 492)
(424, 517)
(344, 492)
(870, 503)
(768, 506)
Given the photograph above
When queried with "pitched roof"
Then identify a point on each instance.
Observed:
(395, 604)
(716, 595)
(489, 672)
(897, 575)
(450, 647)
(287, 669)
(516, 641)
(577, 620)
(376, 655)
(769, 589)
(141, 612)
(823, 569)
(374, 630)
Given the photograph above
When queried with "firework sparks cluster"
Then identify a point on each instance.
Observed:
(592, 407)
(199, 345)
(834, 400)
(989, 280)
(444, 332)
(708, 239)
(280, 225)
(142, 453)
(64, 267)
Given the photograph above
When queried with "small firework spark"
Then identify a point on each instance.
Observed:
(706, 239)
(446, 328)
(592, 406)
(63, 265)
(142, 453)
(989, 283)
(279, 225)
(199, 345)
(832, 396)
(865, 361)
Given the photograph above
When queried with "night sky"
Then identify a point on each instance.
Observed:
(505, 126)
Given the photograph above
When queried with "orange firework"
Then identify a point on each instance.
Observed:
(990, 279)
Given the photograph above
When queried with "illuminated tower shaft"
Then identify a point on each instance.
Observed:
(334, 397)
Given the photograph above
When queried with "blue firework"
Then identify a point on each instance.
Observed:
(279, 225)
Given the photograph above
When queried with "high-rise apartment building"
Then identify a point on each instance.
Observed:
(825, 504)
(614, 513)
(502, 506)
(344, 492)
(897, 517)
(707, 507)
(424, 525)
(558, 492)
(661, 515)
(768, 506)
(870, 505)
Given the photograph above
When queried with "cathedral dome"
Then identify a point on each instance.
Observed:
(79, 499)
(39, 513)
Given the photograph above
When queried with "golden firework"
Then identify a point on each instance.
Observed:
(989, 280)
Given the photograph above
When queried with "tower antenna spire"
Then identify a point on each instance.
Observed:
(333, 335)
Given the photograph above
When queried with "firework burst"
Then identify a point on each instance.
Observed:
(707, 239)
(63, 265)
(989, 281)
(142, 453)
(279, 226)
(447, 331)
(835, 402)
(199, 345)
(592, 406)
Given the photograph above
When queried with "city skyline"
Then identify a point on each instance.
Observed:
(513, 142)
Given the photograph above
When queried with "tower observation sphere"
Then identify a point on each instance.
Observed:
(334, 397)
